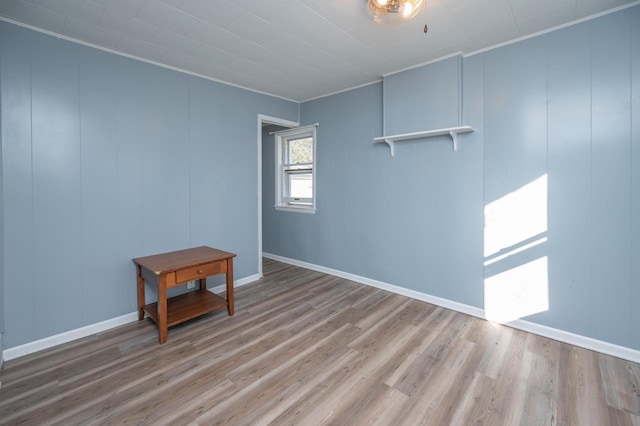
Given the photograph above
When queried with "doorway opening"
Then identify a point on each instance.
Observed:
(266, 163)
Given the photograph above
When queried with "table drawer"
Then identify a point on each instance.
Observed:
(201, 271)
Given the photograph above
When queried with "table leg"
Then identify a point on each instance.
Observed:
(203, 283)
(230, 286)
(140, 294)
(162, 308)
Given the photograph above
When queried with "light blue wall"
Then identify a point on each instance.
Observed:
(562, 105)
(419, 100)
(1, 230)
(105, 159)
(635, 174)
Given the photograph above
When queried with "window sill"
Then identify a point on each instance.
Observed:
(308, 210)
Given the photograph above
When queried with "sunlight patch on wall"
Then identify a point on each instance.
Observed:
(516, 217)
(516, 273)
(517, 292)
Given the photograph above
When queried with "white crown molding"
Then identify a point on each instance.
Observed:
(78, 333)
(552, 29)
(541, 330)
(459, 53)
(137, 58)
(485, 49)
(378, 80)
(423, 64)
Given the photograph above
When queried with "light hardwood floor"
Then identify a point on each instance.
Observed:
(307, 348)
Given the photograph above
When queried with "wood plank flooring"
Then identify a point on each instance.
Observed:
(306, 348)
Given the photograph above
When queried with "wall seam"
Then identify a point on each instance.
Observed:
(190, 159)
(83, 292)
(33, 204)
(590, 320)
(631, 227)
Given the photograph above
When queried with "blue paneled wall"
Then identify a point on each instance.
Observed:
(1, 239)
(416, 100)
(635, 174)
(561, 107)
(105, 159)
(550, 179)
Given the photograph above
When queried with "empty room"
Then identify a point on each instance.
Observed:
(305, 212)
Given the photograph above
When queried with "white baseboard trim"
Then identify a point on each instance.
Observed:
(78, 333)
(68, 336)
(237, 283)
(541, 330)
(1, 350)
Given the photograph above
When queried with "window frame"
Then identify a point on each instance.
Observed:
(282, 200)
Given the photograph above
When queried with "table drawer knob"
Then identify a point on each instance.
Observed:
(200, 271)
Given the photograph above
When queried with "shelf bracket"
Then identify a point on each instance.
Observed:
(391, 144)
(454, 138)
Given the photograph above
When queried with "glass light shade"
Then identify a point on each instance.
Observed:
(393, 12)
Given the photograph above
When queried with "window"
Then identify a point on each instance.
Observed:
(295, 169)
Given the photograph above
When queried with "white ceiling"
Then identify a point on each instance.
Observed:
(295, 49)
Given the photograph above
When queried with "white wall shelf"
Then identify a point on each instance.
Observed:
(451, 131)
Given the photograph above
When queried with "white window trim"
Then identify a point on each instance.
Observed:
(279, 202)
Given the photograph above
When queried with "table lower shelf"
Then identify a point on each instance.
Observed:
(187, 306)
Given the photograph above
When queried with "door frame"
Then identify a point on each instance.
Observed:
(262, 120)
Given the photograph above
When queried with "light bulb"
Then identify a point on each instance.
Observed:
(408, 8)
(393, 12)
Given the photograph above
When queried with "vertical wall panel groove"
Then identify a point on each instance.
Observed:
(611, 177)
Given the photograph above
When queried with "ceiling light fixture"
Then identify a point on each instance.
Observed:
(393, 12)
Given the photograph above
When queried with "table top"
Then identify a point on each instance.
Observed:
(175, 260)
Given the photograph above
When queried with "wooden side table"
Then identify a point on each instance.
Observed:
(175, 268)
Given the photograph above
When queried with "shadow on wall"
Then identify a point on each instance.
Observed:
(516, 279)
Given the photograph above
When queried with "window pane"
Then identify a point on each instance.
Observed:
(300, 150)
(295, 165)
(300, 185)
